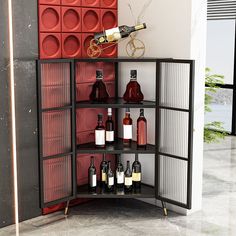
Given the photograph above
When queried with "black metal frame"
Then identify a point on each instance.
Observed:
(72, 109)
(190, 111)
(155, 105)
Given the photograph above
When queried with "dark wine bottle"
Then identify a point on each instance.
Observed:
(136, 173)
(100, 133)
(99, 91)
(142, 130)
(114, 34)
(133, 93)
(110, 178)
(119, 174)
(127, 127)
(92, 176)
(109, 128)
(103, 172)
(128, 178)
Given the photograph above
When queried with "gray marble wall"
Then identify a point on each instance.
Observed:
(25, 53)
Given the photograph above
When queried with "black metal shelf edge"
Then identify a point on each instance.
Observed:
(145, 191)
(120, 59)
(117, 148)
(116, 103)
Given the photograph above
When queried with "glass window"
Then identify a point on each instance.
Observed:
(220, 48)
(221, 108)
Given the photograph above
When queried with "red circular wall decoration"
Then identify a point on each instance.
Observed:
(71, 21)
(91, 20)
(109, 19)
(71, 45)
(50, 18)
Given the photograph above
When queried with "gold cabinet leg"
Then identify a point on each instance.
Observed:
(165, 212)
(67, 208)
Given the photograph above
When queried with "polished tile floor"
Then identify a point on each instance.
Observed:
(132, 217)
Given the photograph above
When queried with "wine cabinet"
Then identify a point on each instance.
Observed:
(60, 128)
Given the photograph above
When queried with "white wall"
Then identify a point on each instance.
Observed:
(175, 29)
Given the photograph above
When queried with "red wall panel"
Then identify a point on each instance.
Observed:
(50, 2)
(108, 18)
(50, 45)
(71, 19)
(91, 20)
(90, 3)
(108, 3)
(71, 45)
(71, 2)
(49, 18)
(86, 38)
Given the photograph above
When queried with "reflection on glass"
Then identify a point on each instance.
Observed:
(221, 108)
(220, 48)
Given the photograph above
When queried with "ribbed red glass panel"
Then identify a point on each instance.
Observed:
(57, 178)
(55, 79)
(56, 132)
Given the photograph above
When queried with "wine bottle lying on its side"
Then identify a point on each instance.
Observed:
(114, 34)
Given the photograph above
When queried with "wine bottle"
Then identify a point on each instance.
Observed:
(99, 91)
(109, 128)
(114, 34)
(110, 178)
(142, 130)
(136, 173)
(92, 175)
(103, 172)
(128, 178)
(133, 93)
(127, 127)
(119, 174)
(100, 133)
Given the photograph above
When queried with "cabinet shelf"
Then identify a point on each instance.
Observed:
(117, 148)
(146, 191)
(116, 103)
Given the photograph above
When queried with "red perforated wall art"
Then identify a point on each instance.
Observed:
(86, 17)
(65, 30)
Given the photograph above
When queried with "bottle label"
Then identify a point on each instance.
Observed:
(128, 181)
(110, 181)
(120, 177)
(136, 177)
(110, 136)
(100, 137)
(127, 130)
(104, 177)
(93, 181)
(113, 34)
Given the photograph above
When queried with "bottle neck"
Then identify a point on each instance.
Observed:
(133, 78)
(119, 160)
(127, 115)
(136, 157)
(99, 78)
(128, 165)
(104, 158)
(141, 113)
(109, 165)
(140, 27)
(92, 161)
